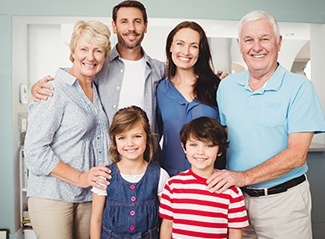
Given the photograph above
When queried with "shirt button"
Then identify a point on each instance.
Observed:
(132, 186)
(121, 70)
(114, 106)
(133, 198)
(132, 228)
(132, 213)
(98, 137)
(118, 88)
(100, 152)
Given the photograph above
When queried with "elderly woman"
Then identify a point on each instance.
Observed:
(66, 141)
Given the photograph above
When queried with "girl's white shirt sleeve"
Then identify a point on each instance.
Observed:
(164, 176)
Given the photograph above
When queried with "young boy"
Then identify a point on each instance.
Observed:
(187, 208)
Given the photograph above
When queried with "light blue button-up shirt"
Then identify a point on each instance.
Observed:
(67, 127)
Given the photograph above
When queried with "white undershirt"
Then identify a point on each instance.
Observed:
(132, 89)
(136, 178)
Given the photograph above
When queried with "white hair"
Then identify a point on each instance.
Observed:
(257, 15)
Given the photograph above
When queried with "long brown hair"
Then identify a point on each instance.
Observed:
(207, 82)
(124, 120)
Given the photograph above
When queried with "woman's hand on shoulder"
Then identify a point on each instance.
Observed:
(98, 177)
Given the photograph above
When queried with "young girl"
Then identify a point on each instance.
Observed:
(129, 206)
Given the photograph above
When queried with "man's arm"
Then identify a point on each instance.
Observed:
(221, 74)
(292, 157)
(41, 90)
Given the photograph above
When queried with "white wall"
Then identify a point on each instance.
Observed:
(45, 50)
(317, 56)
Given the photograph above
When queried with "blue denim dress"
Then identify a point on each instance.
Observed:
(131, 209)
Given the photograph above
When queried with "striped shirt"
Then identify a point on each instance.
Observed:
(198, 213)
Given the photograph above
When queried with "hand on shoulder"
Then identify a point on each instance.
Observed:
(41, 90)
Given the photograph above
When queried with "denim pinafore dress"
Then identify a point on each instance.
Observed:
(131, 209)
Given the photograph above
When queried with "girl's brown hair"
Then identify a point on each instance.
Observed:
(124, 120)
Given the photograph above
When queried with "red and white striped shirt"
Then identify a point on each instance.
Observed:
(198, 213)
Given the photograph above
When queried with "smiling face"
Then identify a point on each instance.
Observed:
(130, 27)
(259, 46)
(131, 144)
(185, 48)
(88, 59)
(201, 156)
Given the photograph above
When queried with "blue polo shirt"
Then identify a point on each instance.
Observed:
(259, 122)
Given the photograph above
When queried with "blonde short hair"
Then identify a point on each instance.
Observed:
(95, 32)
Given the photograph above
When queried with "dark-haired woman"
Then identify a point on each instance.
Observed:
(188, 92)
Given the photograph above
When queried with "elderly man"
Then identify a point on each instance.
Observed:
(271, 116)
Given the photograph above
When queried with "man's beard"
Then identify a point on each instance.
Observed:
(132, 45)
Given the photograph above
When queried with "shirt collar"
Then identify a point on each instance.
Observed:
(115, 54)
(273, 83)
(63, 73)
(171, 92)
